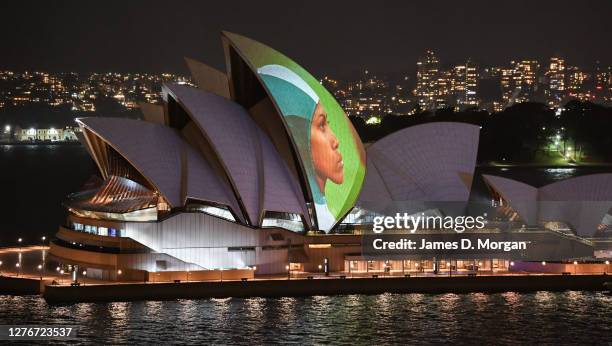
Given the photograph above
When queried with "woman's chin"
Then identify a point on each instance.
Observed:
(337, 180)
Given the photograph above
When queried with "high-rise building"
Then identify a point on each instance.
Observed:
(603, 83)
(426, 90)
(519, 82)
(444, 89)
(526, 78)
(465, 84)
(508, 85)
(576, 86)
(556, 82)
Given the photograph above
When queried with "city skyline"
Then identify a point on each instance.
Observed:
(435, 84)
(69, 36)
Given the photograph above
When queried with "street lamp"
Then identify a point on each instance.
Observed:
(19, 268)
(0, 268)
(575, 264)
(40, 271)
(288, 268)
(19, 241)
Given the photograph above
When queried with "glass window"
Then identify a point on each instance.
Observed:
(103, 231)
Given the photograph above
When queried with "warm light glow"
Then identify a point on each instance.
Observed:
(286, 267)
(607, 262)
(319, 246)
(512, 263)
(543, 263)
(575, 262)
(62, 272)
(19, 240)
(119, 272)
(57, 269)
(320, 266)
(39, 266)
(84, 272)
(17, 265)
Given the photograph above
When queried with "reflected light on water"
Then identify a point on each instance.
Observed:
(511, 298)
(505, 318)
(544, 298)
(153, 307)
(560, 173)
(449, 301)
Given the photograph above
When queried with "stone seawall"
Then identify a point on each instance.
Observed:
(21, 286)
(283, 288)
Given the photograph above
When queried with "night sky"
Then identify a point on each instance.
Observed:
(327, 37)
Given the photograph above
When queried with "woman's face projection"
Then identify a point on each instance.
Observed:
(324, 145)
(329, 153)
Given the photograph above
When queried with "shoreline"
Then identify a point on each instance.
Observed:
(326, 287)
(42, 143)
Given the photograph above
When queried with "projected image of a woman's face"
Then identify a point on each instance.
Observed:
(324, 144)
(329, 152)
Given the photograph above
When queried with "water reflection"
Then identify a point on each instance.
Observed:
(506, 318)
(560, 173)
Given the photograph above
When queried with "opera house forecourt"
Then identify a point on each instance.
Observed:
(258, 171)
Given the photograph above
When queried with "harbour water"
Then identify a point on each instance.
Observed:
(544, 318)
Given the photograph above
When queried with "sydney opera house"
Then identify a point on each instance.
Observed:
(258, 170)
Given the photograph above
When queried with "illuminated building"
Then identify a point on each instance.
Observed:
(232, 176)
(526, 79)
(556, 82)
(519, 81)
(465, 85)
(46, 134)
(508, 87)
(576, 86)
(426, 90)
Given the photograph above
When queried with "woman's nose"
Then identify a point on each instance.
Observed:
(334, 141)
